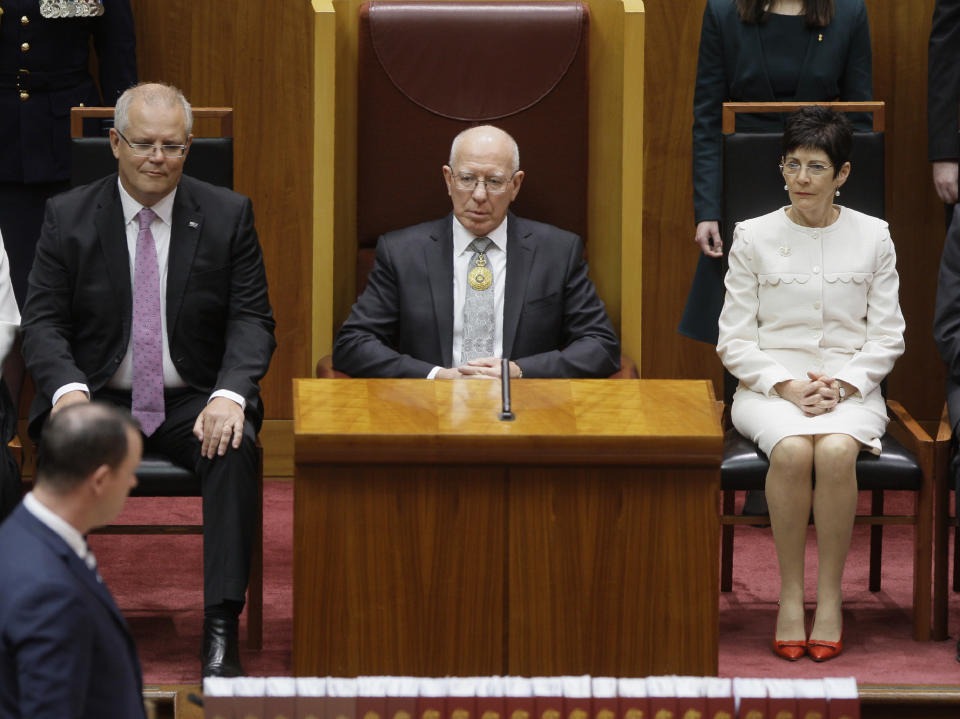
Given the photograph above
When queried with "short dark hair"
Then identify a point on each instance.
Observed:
(78, 439)
(818, 13)
(820, 128)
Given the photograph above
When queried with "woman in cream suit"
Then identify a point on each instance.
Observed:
(810, 326)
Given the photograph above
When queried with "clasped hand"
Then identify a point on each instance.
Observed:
(481, 368)
(815, 396)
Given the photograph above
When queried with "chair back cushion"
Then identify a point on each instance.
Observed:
(753, 184)
(210, 159)
(429, 70)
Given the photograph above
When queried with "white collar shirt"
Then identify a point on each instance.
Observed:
(497, 257)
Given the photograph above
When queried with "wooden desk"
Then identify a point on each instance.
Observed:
(432, 539)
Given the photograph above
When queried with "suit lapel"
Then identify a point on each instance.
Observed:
(520, 257)
(438, 256)
(73, 563)
(112, 236)
(187, 224)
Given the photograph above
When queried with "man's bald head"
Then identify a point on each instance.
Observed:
(486, 138)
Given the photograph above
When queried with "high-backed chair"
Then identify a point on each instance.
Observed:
(752, 187)
(209, 159)
(418, 87)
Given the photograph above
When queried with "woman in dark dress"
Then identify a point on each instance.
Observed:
(763, 51)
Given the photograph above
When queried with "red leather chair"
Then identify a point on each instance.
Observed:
(426, 71)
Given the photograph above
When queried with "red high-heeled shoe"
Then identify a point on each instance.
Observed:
(791, 650)
(821, 650)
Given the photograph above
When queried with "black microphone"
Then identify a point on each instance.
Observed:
(505, 414)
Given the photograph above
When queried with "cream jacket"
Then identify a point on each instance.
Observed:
(821, 299)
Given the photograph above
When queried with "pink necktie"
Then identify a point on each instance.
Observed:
(147, 401)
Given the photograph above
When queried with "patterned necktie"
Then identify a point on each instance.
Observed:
(478, 308)
(147, 400)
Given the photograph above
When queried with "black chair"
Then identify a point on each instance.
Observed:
(752, 187)
(210, 159)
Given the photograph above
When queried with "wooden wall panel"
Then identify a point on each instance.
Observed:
(899, 33)
(669, 252)
(256, 58)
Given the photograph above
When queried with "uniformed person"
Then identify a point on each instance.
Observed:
(44, 71)
(44, 59)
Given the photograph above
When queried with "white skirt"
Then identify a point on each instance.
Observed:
(767, 420)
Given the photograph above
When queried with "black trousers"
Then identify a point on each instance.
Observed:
(228, 485)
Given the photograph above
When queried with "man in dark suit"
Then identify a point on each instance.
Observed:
(148, 290)
(446, 299)
(943, 108)
(943, 100)
(65, 650)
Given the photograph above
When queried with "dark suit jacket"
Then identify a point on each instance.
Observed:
(731, 68)
(77, 317)
(65, 650)
(35, 133)
(554, 325)
(943, 86)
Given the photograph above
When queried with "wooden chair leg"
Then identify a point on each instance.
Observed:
(876, 540)
(726, 544)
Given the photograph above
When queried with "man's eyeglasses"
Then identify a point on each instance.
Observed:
(493, 185)
(813, 168)
(142, 149)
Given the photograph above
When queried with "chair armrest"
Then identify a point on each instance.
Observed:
(913, 436)
(325, 369)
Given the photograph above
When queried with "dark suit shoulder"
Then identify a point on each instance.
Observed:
(24, 537)
(87, 196)
(204, 193)
(432, 229)
(541, 232)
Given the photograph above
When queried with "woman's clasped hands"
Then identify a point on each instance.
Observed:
(816, 395)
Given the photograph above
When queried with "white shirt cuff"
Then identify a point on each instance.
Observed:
(434, 372)
(71, 387)
(230, 395)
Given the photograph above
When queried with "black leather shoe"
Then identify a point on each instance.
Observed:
(221, 648)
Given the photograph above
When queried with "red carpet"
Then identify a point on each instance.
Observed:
(157, 583)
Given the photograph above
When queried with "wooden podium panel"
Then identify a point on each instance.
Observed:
(433, 539)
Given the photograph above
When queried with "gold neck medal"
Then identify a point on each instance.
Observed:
(480, 277)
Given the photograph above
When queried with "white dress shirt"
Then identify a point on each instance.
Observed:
(160, 229)
(497, 258)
